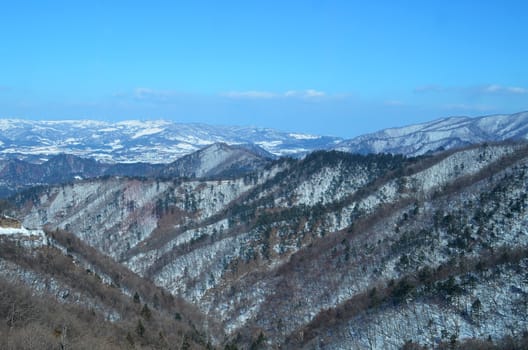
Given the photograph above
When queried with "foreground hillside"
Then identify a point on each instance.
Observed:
(58, 293)
(331, 251)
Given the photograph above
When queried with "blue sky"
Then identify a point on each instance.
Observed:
(339, 68)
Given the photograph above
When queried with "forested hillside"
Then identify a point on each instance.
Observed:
(331, 251)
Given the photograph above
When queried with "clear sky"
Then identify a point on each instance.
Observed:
(338, 68)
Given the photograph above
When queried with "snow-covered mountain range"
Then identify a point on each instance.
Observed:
(440, 134)
(331, 251)
(218, 160)
(227, 247)
(165, 141)
(141, 141)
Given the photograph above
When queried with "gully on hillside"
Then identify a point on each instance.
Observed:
(330, 251)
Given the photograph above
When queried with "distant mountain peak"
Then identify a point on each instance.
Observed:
(161, 141)
(440, 134)
(217, 160)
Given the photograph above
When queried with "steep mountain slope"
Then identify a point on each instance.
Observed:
(217, 160)
(57, 169)
(16, 175)
(56, 292)
(440, 134)
(322, 252)
(140, 141)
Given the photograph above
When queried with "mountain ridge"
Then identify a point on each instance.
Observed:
(218, 160)
(322, 252)
(141, 141)
(333, 250)
(213, 161)
(164, 141)
(439, 134)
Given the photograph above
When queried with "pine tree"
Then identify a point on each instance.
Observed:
(140, 329)
(145, 312)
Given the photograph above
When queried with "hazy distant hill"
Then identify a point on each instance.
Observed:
(164, 141)
(141, 141)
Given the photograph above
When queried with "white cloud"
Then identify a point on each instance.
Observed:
(508, 90)
(153, 95)
(148, 95)
(310, 93)
(314, 93)
(253, 94)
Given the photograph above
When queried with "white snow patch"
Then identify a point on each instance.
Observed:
(146, 132)
(20, 232)
(304, 136)
(269, 144)
(186, 146)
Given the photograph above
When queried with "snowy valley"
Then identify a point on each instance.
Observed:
(333, 250)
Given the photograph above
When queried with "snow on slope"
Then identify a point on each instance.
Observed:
(209, 247)
(25, 237)
(140, 141)
(218, 159)
(440, 134)
(165, 141)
